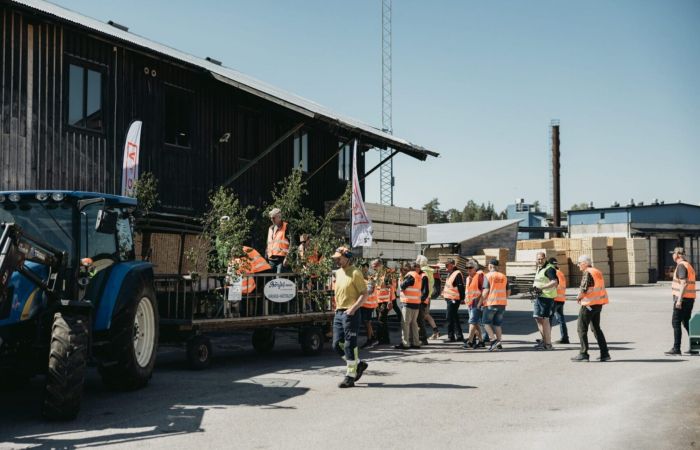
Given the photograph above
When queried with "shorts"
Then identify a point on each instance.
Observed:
(493, 315)
(544, 307)
(367, 314)
(474, 315)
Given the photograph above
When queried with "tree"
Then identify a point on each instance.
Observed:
(536, 206)
(579, 206)
(434, 213)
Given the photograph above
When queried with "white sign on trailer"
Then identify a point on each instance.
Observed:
(280, 290)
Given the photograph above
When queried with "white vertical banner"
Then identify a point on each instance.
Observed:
(361, 223)
(130, 166)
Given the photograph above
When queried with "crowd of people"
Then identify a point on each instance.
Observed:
(485, 295)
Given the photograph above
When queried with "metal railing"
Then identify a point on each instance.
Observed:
(182, 299)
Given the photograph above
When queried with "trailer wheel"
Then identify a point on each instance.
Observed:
(263, 340)
(134, 342)
(311, 341)
(199, 352)
(67, 363)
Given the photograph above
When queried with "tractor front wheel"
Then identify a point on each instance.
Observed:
(67, 364)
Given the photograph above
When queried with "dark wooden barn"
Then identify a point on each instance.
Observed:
(71, 86)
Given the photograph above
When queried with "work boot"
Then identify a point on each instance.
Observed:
(563, 341)
(347, 382)
(602, 358)
(580, 357)
(673, 352)
(361, 367)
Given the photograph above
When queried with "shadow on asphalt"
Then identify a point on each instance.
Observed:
(418, 386)
(651, 360)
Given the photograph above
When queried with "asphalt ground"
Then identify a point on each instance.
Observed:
(440, 396)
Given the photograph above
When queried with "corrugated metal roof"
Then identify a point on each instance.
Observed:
(454, 233)
(235, 78)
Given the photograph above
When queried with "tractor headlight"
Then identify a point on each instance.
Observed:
(57, 196)
(42, 196)
(14, 197)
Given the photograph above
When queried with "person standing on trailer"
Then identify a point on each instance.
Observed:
(350, 293)
(278, 241)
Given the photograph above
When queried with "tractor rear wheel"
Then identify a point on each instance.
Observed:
(67, 364)
(134, 342)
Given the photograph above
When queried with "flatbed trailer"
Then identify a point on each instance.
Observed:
(191, 308)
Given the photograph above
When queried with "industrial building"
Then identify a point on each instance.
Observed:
(530, 218)
(665, 226)
(470, 238)
(71, 85)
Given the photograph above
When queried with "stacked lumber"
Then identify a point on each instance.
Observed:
(638, 260)
(530, 256)
(619, 266)
(460, 261)
(534, 244)
(597, 249)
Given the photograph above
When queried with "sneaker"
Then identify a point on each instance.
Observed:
(499, 346)
(602, 358)
(414, 347)
(435, 335)
(580, 357)
(401, 347)
(539, 341)
(494, 345)
(673, 352)
(563, 341)
(480, 344)
(469, 344)
(361, 367)
(548, 347)
(539, 345)
(347, 382)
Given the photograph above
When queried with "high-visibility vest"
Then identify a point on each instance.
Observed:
(277, 243)
(561, 287)
(473, 288)
(313, 256)
(253, 262)
(383, 291)
(498, 284)
(429, 272)
(690, 282)
(412, 293)
(541, 280)
(451, 292)
(596, 295)
(371, 301)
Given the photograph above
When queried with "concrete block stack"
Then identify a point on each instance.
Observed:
(619, 265)
(638, 260)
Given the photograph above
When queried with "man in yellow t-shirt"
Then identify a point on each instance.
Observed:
(350, 294)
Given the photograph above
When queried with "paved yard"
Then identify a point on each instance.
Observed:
(437, 397)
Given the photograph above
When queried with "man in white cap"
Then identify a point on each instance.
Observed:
(277, 241)
(350, 293)
(592, 297)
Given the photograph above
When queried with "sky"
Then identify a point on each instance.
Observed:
(479, 82)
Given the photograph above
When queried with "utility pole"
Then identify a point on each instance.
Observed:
(386, 172)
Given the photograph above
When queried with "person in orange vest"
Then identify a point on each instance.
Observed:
(453, 293)
(383, 285)
(592, 297)
(278, 242)
(368, 307)
(475, 287)
(252, 262)
(414, 291)
(350, 292)
(683, 290)
(559, 301)
(494, 298)
(424, 315)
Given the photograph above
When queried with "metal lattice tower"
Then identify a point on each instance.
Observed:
(386, 172)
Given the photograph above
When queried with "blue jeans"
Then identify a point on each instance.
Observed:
(345, 330)
(544, 307)
(559, 318)
(493, 315)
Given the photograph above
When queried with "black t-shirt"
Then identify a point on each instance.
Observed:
(551, 274)
(681, 272)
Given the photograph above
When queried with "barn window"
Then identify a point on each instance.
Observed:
(345, 163)
(178, 114)
(85, 100)
(301, 151)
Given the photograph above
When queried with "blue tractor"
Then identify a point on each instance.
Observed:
(72, 294)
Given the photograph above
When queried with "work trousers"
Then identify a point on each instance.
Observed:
(454, 328)
(383, 328)
(681, 317)
(591, 317)
(409, 327)
(558, 317)
(345, 330)
(422, 312)
(397, 309)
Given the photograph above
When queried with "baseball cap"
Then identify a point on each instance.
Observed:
(342, 251)
(553, 261)
(678, 251)
(493, 262)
